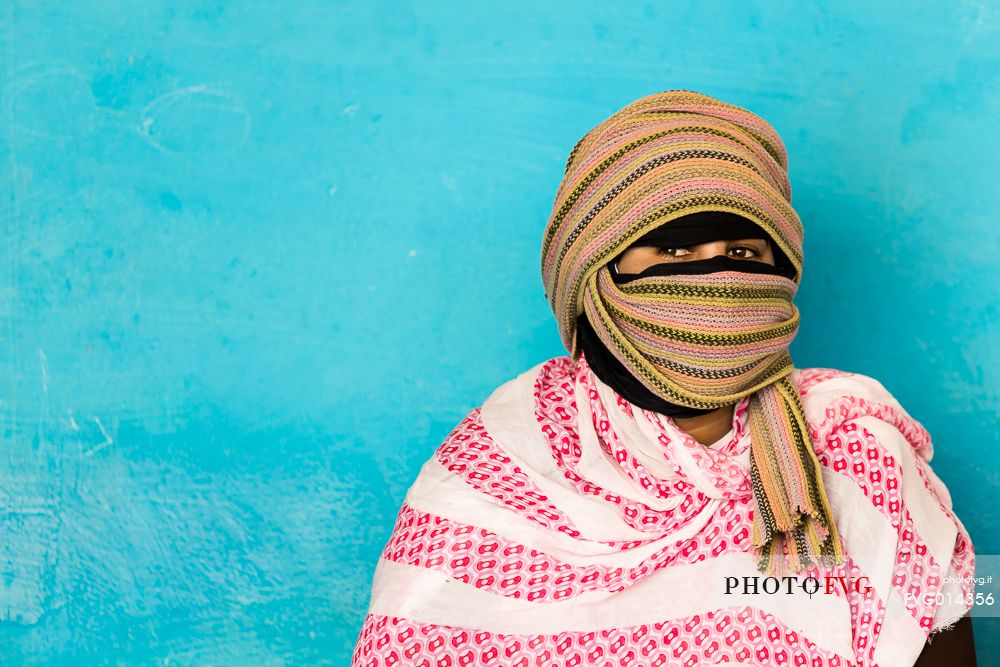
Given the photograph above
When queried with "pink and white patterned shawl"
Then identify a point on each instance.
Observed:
(559, 524)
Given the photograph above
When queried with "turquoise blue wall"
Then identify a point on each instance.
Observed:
(261, 257)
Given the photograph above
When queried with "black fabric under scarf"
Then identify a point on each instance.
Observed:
(689, 230)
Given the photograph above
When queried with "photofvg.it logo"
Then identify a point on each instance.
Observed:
(792, 585)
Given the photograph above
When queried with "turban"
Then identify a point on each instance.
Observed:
(705, 339)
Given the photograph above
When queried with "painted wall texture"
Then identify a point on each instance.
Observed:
(260, 258)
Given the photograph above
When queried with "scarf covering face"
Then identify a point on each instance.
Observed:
(685, 232)
(703, 340)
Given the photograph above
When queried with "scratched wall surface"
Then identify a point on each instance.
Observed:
(261, 257)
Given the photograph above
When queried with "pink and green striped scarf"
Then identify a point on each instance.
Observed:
(704, 341)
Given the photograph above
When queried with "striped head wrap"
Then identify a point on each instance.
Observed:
(702, 340)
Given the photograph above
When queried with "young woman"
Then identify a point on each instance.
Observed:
(675, 491)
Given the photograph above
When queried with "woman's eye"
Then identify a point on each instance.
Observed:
(673, 252)
(749, 252)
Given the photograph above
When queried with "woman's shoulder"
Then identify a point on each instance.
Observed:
(829, 383)
(547, 385)
(832, 397)
(551, 379)
(856, 424)
(826, 393)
